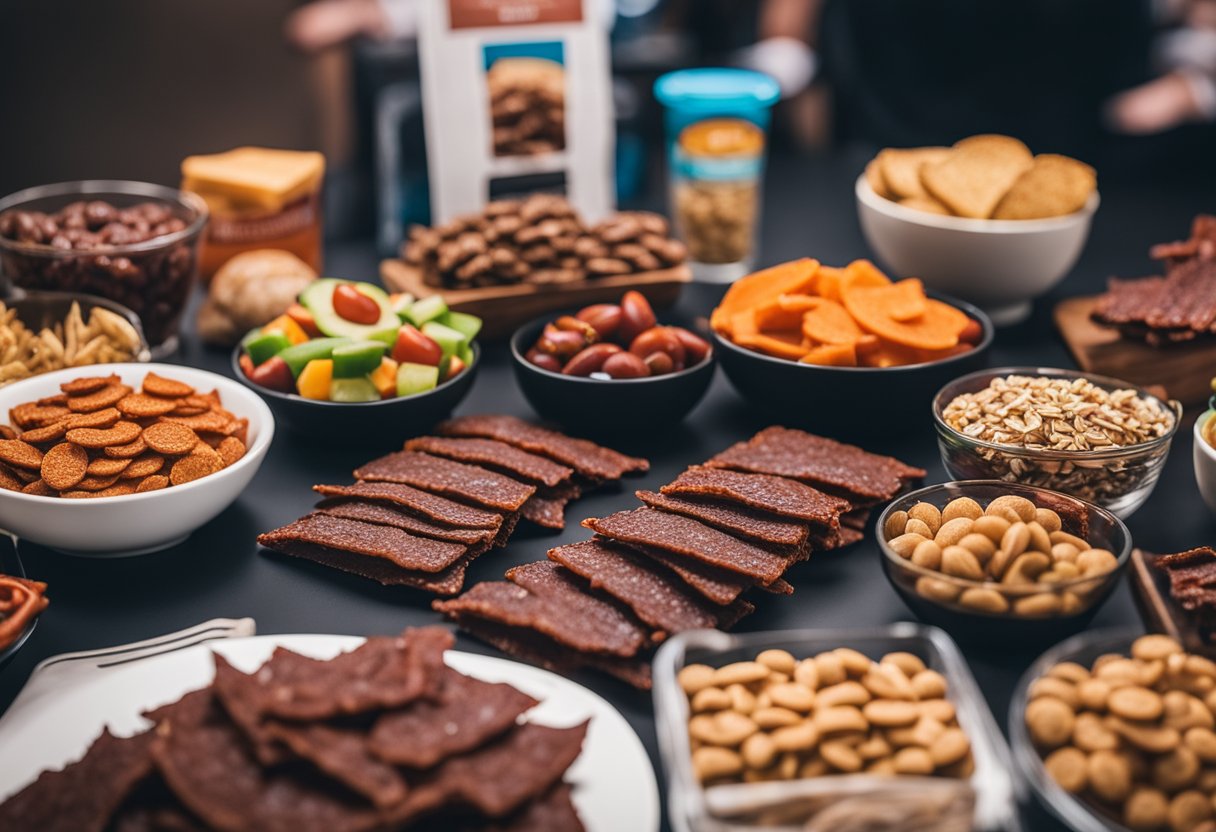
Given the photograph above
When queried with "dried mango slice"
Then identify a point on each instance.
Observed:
(772, 316)
(799, 302)
(828, 281)
(831, 355)
(830, 323)
(764, 287)
(776, 343)
(906, 299)
(937, 329)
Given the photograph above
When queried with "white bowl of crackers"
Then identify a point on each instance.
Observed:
(985, 220)
(127, 458)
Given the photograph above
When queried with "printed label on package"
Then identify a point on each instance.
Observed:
(477, 14)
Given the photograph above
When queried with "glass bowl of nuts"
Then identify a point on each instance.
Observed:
(1097, 438)
(134, 243)
(1114, 732)
(826, 730)
(988, 559)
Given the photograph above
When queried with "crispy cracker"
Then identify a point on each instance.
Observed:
(107, 396)
(901, 168)
(1053, 187)
(122, 433)
(64, 466)
(153, 483)
(876, 181)
(20, 454)
(170, 388)
(972, 180)
(170, 438)
(925, 203)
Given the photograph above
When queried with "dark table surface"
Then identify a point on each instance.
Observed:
(809, 210)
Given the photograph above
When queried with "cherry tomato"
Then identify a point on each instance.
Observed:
(355, 306)
(274, 374)
(416, 348)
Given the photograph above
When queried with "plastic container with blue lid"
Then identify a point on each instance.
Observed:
(717, 122)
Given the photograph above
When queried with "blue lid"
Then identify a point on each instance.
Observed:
(716, 88)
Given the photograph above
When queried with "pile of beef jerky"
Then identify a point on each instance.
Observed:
(1177, 307)
(419, 517)
(385, 737)
(1192, 577)
(686, 558)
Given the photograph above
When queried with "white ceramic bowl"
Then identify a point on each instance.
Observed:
(999, 265)
(136, 523)
(1205, 461)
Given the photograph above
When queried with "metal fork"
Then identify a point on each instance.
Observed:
(213, 630)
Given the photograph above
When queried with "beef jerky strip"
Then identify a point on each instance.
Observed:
(387, 515)
(777, 495)
(405, 551)
(686, 537)
(846, 537)
(718, 585)
(546, 512)
(552, 812)
(341, 753)
(468, 713)
(447, 582)
(383, 672)
(587, 458)
(738, 520)
(563, 613)
(240, 695)
(1189, 300)
(533, 647)
(819, 462)
(84, 795)
(496, 779)
(1128, 301)
(656, 595)
(424, 503)
(470, 483)
(495, 455)
(153, 808)
(855, 519)
(205, 762)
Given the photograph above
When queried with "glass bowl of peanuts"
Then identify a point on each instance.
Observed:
(988, 559)
(41, 332)
(824, 730)
(1097, 438)
(1114, 732)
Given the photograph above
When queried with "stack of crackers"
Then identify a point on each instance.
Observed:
(693, 557)
(99, 437)
(383, 737)
(983, 177)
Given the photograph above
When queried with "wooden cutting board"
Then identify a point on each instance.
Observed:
(1184, 370)
(503, 309)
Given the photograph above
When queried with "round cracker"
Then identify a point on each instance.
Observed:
(152, 483)
(88, 384)
(127, 451)
(144, 466)
(172, 438)
(105, 418)
(65, 466)
(105, 397)
(20, 454)
(107, 466)
(141, 406)
(169, 388)
(122, 433)
(191, 467)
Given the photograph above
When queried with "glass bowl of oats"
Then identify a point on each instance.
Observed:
(1096, 438)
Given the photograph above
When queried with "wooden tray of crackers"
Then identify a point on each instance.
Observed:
(505, 308)
(1184, 370)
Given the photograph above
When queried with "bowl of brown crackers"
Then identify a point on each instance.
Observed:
(985, 220)
(127, 458)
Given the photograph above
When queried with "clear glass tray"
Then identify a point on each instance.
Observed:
(687, 804)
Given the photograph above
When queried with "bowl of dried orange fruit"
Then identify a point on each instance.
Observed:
(126, 458)
(985, 220)
(845, 350)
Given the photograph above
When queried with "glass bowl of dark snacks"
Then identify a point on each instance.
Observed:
(131, 242)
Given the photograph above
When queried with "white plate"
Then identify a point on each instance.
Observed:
(52, 723)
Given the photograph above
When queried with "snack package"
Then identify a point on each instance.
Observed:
(516, 98)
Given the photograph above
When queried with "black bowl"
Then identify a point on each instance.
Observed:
(849, 401)
(369, 424)
(604, 406)
(10, 564)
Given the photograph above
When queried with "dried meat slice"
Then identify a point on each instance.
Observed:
(451, 479)
(686, 537)
(387, 515)
(240, 695)
(447, 582)
(496, 779)
(538, 649)
(855, 519)
(1128, 301)
(84, 795)
(468, 714)
(561, 611)
(656, 595)
(718, 585)
(546, 512)
(587, 458)
(552, 812)
(766, 492)
(341, 753)
(403, 550)
(424, 503)
(495, 455)
(739, 520)
(820, 462)
(383, 672)
(205, 762)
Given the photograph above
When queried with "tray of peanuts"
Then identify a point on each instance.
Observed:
(1114, 731)
(828, 731)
